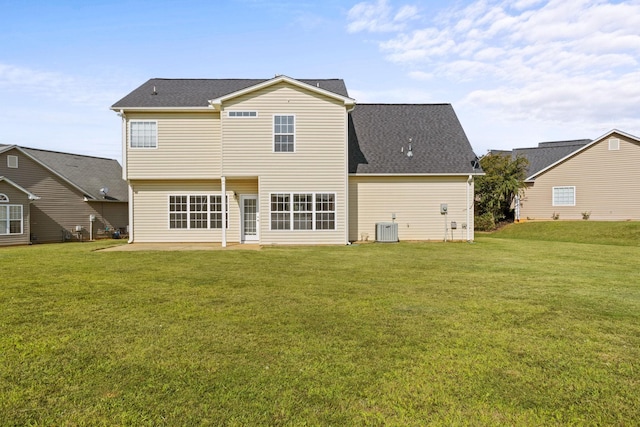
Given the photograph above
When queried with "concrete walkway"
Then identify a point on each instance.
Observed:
(133, 247)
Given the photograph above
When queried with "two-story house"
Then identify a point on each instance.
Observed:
(286, 161)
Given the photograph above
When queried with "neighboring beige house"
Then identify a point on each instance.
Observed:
(597, 178)
(15, 204)
(293, 161)
(77, 197)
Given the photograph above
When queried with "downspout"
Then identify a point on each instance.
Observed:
(130, 214)
(124, 144)
(124, 175)
(469, 181)
(224, 211)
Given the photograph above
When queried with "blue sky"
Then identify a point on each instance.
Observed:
(517, 72)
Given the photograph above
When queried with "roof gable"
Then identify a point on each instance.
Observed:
(85, 173)
(217, 103)
(380, 135)
(159, 94)
(581, 149)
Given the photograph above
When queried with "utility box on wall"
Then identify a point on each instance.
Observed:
(386, 232)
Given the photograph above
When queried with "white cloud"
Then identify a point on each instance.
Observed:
(46, 84)
(379, 17)
(554, 61)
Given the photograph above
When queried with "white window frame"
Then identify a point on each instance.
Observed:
(6, 219)
(614, 144)
(195, 219)
(12, 162)
(143, 147)
(296, 207)
(276, 134)
(4, 198)
(242, 114)
(556, 200)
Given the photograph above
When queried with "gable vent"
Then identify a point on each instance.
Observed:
(12, 162)
(614, 144)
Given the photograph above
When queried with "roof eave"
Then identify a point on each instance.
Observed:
(160, 109)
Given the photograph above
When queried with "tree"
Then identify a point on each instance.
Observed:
(502, 182)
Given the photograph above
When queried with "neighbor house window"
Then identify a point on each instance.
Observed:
(199, 211)
(12, 162)
(303, 211)
(283, 133)
(11, 219)
(244, 114)
(144, 134)
(564, 196)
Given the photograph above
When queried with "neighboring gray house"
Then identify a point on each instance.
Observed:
(290, 162)
(571, 179)
(77, 197)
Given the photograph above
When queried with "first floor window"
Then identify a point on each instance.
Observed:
(215, 208)
(325, 211)
(303, 211)
(281, 211)
(143, 134)
(564, 196)
(199, 211)
(11, 219)
(177, 211)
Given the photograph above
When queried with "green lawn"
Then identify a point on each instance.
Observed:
(509, 330)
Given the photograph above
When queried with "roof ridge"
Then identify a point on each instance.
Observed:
(238, 78)
(63, 152)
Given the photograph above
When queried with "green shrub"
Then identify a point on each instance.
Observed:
(485, 222)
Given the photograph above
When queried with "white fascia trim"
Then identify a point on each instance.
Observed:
(581, 149)
(217, 103)
(18, 187)
(7, 148)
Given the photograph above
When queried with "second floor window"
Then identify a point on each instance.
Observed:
(283, 134)
(143, 134)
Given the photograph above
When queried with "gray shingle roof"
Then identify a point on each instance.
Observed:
(378, 132)
(183, 93)
(545, 154)
(85, 172)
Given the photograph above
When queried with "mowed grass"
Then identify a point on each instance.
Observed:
(513, 331)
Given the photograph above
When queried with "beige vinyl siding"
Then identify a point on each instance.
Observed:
(318, 163)
(320, 135)
(416, 203)
(151, 209)
(61, 207)
(604, 184)
(16, 197)
(188, 147)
